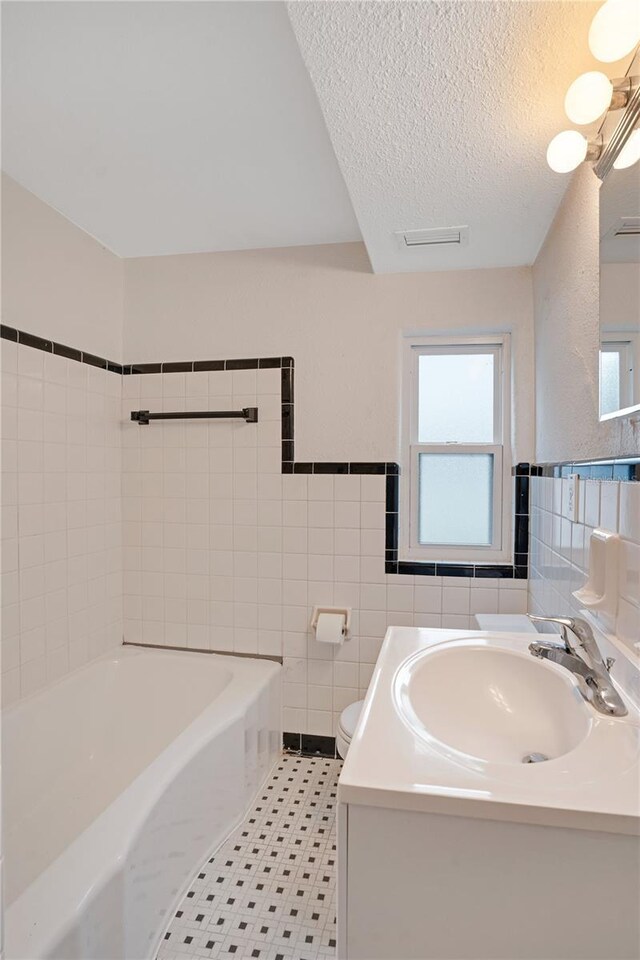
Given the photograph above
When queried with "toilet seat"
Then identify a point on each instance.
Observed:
(346, 726)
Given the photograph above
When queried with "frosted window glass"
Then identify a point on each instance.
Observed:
(456, 498)
(609, 381)
(455, 398)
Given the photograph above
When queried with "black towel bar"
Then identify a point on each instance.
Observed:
(249, 414)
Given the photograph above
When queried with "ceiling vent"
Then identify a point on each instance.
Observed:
(627, 227)
(434, 237)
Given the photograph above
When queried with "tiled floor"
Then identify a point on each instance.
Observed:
(269, 891)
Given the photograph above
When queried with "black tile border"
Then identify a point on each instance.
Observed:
(38, 343)
(518, 570)
(391, 471)
(59, 349)
(309, 745)
(69, 352)
(8, 333)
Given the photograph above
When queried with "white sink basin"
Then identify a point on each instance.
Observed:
(450, 716)
(492, 704)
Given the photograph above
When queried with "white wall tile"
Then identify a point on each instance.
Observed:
(628, 624)
(66, 478)
(557, 571)
(456, 600)
(400, 598)
(320, 487)
(630, 511)
(513, 601)
(30, 362)
(373, 488)
(483, 600)
(294, 513)
(630, 571)
(347, 513)
(321, 512)
(294, 487)
(321, 540)
(373, 596)
(609, 491)
(428, 597)
(347, 487)
(451, 621)
(372, 516)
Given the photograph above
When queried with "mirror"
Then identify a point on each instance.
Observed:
(620, 293)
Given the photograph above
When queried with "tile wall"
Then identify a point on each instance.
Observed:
(560, 547)
(222, 551)
(61, 520)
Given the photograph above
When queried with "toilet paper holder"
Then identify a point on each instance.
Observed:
(345, 611)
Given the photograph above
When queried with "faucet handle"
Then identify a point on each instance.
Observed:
(565, 623)
(562, 621)
(609, 662)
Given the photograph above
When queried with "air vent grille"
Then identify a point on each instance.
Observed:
(434, 237)
(628, 227)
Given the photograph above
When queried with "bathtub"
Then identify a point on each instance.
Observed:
(118, 782)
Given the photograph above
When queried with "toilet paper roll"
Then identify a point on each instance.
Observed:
(330, 628)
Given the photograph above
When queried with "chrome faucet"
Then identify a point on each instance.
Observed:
(579, 653)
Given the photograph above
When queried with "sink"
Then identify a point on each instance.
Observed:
(492, 704)
(441, 804)
(455, 721)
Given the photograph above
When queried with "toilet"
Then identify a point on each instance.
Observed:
(504, 622)
(346, 727)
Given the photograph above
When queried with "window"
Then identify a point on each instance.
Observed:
(617, 374)
(457, 463)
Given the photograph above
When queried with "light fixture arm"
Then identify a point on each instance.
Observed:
(628, 122)
(594, 148)
(623, 90)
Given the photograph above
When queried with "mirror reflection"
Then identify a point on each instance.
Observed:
(620, 292)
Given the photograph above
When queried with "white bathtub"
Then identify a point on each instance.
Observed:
(118, 781)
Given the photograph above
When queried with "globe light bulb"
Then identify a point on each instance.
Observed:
(615, 30)
(588, 97)
(630, 153)
(566, 151)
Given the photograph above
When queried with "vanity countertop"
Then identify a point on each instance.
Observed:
(594, 786)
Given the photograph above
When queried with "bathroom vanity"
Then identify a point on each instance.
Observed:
(486, 810)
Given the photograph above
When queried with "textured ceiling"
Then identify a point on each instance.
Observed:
(170, 127)
(440, 114)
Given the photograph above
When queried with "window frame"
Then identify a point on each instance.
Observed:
(501, 548)
(625, 345)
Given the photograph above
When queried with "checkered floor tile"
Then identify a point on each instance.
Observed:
(269, 891)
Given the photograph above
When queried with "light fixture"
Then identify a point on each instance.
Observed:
(615, 30)
(630, 153)
(588, 97)
(614, 33)
(568, 149)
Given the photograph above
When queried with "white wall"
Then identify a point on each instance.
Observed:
(61, 522)
(323, 306)
(620, 296)
(223, 552)
(57, 281)
(566, 309)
